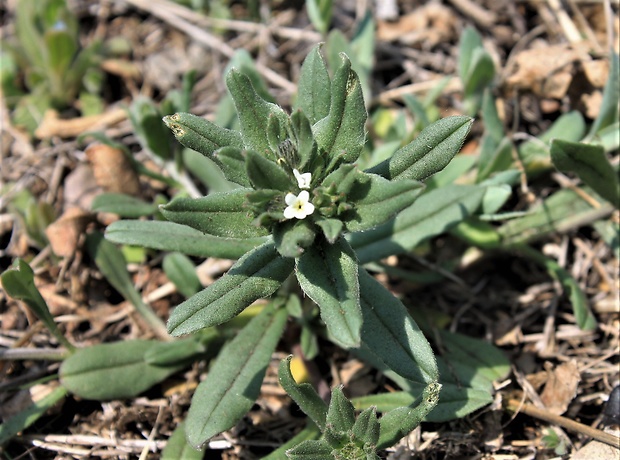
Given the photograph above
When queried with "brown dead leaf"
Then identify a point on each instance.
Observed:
(64, 233)
(80, 187)
(596, 72)
(592, 103)
(561, 386)
(432, 23)
(113, 171)
(547, 72)
(52, 125)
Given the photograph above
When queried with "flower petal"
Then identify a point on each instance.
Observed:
(290, 199)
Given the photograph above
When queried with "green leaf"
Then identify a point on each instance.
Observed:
(207, 171)
(469, 42)
(168, 236)
(428, 153)
(150, 130)
(178, 448)
(30, 414)
(332, 229)
(233, 382)
(494, 157)
(590, 164)
(256, 275)
(341, 414)
(320, 14)
(583, 316)
(401, 421)
(19, 284)
(310, 432)
(467, 366)
(311, 450)
(200, 134)
(113, 370)
(560, 212)
(341, 134)
(123, 205)
(430, 215)
(392, 335)
(293, 237)
(254, 112)
(306, 146)
(480, 73)
(266, 174)
(61, 47)
(182, 272)
(178, 351)
(328, 274)
(495, 197)
(314, 87)
(366, 427)
(303, 394)
(376, 200)
(219, 214)
(231, 161)
(111, 262)
(535, 153)
(608, 113)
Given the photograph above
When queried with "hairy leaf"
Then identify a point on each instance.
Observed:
(233, 382)
(328, 274)
(168, 236)
(256, 275)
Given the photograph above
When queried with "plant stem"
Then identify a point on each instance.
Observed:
(542, 414)
(53, 354)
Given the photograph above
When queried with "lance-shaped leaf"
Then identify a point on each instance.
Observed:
(428, 153)
(219, 214)
(177, 446)
(328, 274)
(303, 394)
(256, 275)
(430, 215)
(182, 272)
(392, 335)
(293, 237)
(123, 205)
(115, 370)
(332, 229)
(590, 164)
(112, 264)
(231, 161)
(313, 88)
(168, 236)
(200, 134)
(266, 174)
(254, 112)
(366, 427)
(19, 284)
(12, 426)
(341, 134)
(341, 413)
(376, 200)
(306, 145)
(311, 450)
(401, 421)
(233, 382)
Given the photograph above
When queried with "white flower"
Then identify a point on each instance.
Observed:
(299, 206)
(303, 180)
